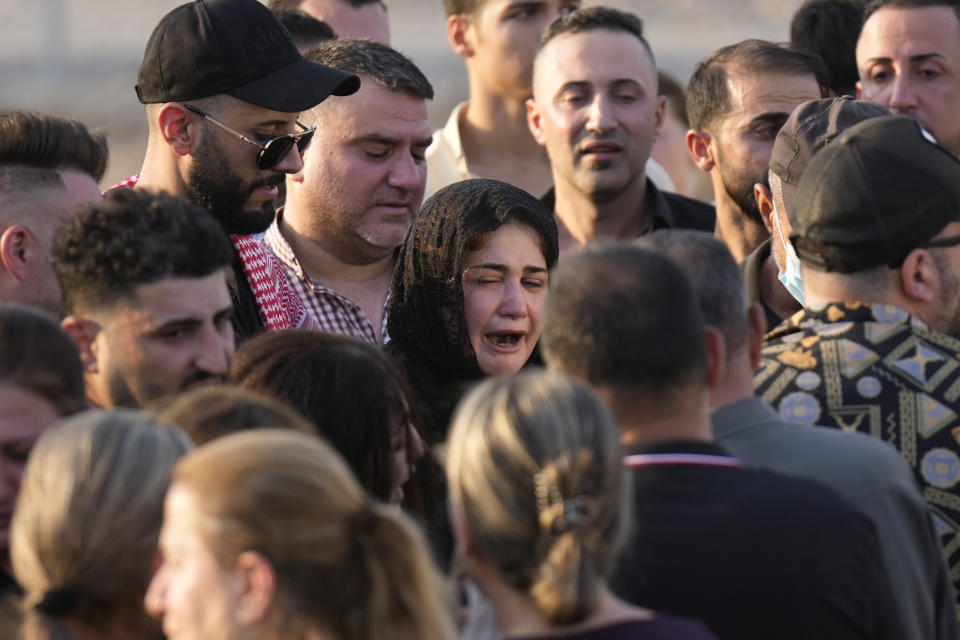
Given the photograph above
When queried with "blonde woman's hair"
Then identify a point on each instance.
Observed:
(85, 528)
(535, 467)
(344, 564)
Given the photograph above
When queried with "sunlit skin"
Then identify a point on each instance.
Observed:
(909, 61)
(365, 21)
(504, 290)
(741, 144)
(176, 334)
(504, 34)
(498, 43)
(194, 597)
(24, 417)
(597, 111)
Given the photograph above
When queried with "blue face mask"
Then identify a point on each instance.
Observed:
(791, 278)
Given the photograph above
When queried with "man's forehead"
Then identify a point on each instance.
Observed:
(909, 31)
(173, 298)
(753, 93)
(590, 55)
(369, 106)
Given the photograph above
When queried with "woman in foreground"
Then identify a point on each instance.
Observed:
(541, 509)
(84, 533)
(268, 535)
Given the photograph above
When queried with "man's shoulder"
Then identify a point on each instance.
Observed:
(689, 213)
(854, 463)
(748, 495)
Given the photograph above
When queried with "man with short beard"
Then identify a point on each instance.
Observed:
(596, 109)
(737, 100)
(361, 186)
(223, 85)
(876, 227)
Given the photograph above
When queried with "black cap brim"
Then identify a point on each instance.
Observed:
(296, 87)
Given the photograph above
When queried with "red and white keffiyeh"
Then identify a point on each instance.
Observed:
(279, 306)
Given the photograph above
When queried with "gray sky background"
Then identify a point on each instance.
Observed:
(79, 57)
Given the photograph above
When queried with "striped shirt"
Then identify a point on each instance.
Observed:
(333, 312)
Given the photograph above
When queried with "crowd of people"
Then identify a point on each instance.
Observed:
(317, 371)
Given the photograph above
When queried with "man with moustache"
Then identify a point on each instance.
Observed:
(223, 85)
(737, 100)
(361, 185)
(596, 109)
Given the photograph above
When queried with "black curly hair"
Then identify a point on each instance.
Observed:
(134, 237)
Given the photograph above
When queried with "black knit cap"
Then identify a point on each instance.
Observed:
(236, 47)
(883, 188)
(811, 126)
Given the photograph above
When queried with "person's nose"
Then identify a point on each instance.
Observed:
(903, 96)
(514, 301)
(407, 173)
(154, 599)
(292, 161)
(216, 351)
(600, 116)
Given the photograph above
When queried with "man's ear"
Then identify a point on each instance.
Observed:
(661, 115)
(920, 277)
(534, 122)
(716, 348)
(16, 245)
(859, 90)
(255, 584)
(698, 144)
(458, 27)
(174, 124)
(765, 204)
(756, 329)
(84, 333)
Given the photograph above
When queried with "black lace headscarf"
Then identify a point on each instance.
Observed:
(427, 324)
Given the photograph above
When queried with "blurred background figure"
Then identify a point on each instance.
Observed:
(541, 506)
(41, 381)
(830, 28)
(487, 136)
(267, 534)
(84, 535)
(670, 147)
(305, 30)
(347, 18)
(209, 413)
(49, 167)
(352, 391)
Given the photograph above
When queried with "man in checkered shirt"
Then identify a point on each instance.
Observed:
(361, 185)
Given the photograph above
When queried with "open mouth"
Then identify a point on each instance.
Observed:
(504, 341)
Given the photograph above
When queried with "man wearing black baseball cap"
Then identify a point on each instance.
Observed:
(772, 271)
(223, 85)
(876, 227)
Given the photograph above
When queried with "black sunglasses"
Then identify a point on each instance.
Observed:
(949, 241)
(276, 149)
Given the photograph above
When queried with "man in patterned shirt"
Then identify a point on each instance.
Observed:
(875, 349)
(361, 185)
